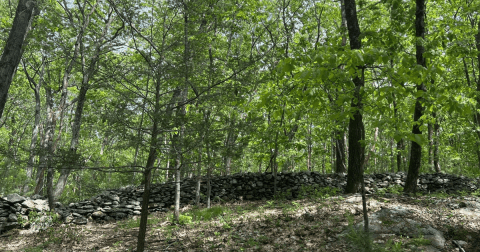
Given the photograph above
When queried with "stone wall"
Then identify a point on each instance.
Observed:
(125, 202)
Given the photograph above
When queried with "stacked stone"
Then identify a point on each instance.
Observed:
(125, 202)
(14, 207)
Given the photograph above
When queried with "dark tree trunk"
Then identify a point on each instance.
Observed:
(416, 149)
(340, 152)
(12, 52)
(356, 131)
(147, 176)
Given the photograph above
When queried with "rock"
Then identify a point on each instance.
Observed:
(12, 218)
(80, 220)
(98, 214)
(396, 221)
(15, 198)
(36, 196)
(28, 204)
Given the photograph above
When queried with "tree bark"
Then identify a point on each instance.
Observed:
(356, 131)
(416, 149)
(430, 147)
(477, 114)
(340, 166)
(45, 161)
(436, 135)
(36, 126)
(199, 177)
(13, 51)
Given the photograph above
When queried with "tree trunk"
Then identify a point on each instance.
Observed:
(436, 132)
(416, 149)
(199, 177)
(430, 147)
(36, 126)
(356, 131)
(45, 161)
(340, 152)
(477, 114)
(13, 51)
(152, 156)
(178, 166)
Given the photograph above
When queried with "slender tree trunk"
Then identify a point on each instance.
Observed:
(392, 156)
(430, 147)
(416, 149)
(178, 166)
(372, 150)
(199, 177)
(209, 169)
(152, 156)
(340, 166)
(147, 178)
(308, 140)
(13, 51)
(36, 126)
(436, 130)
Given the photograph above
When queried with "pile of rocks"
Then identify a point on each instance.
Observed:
(125, 202)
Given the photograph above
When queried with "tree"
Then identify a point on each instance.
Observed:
(356, 130)
(12, 53)
(416, 148)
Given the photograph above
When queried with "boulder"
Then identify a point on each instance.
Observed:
(15, 198)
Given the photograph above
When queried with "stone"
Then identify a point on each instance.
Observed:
(80, 221)
(15, 198)
(98, 214)
(12, 218)
(396, 221)
(28, 204)
(36, 196)
(41, 205)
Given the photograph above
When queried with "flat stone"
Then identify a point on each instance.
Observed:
(15, 198)
(80, 221)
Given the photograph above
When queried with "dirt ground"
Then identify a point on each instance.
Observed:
(277, 225)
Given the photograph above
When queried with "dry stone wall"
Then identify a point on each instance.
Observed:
(125, 202)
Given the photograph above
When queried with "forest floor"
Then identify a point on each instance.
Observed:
(310, 224)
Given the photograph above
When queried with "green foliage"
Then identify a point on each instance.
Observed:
(396, 189)
(207, 214)
(250, 92)
(361, 241)
(419, 241)
(310, 192)
(39, 220)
